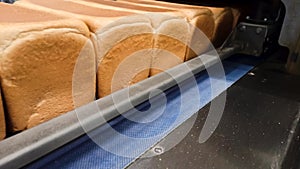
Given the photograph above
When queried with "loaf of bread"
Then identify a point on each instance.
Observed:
(122, 42)
(2, 120)
(200, 18)
(225, 18)
(52, 50)
(125, 45)
(38, 59)
(235, 11)
(173, 35)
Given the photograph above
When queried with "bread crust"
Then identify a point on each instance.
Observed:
(225, 18)
(37, 64)
(197, 17)
(112, 31)
(200, 18)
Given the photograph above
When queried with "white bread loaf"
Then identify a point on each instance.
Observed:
(2, 120)
(200, 18)
(189, 12)
(235, 11)
(172, 35)
(119, 40)
(115, 37)
(225, 18)
(38, 54)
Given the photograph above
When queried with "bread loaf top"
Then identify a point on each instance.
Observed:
(95, 17)
(16, 21)
(217, 11)
(76, 8)
(225, 18)
(15, 14)
(120, 4)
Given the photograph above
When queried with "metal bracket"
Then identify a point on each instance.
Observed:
(254, 39)
(249, 37)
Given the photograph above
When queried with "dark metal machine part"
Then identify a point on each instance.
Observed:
(8, 1)
(258, 11)
(259, 127)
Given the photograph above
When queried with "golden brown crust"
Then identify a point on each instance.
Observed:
(43, 20)
(76, 8)
(236, 15)
(224, 21)
(94, 17)
(37, 61)
(191, 12)
(32, 98)
(200, 18)
(16, 14)
(121, 4)
(108, 44)
(225, 18)
(110, 33)
(139, 76)
(168, 53)
(199, 42)
(50, 38)
(114, 65)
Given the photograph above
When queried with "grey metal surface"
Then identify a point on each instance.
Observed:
(254, 39)
(33, 143)
(258, 37)
(251, 37)
(259, 127)
(291, 25)
(8, 1)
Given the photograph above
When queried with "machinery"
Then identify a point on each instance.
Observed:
(253, 123)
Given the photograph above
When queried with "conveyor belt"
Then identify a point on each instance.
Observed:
(84, 153)
(259, 127)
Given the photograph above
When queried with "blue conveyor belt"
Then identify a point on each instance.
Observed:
(85, 153)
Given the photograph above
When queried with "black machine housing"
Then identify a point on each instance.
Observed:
(259, 26)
